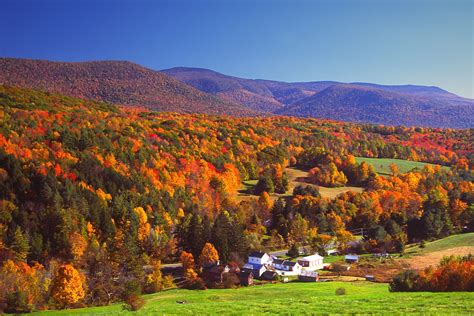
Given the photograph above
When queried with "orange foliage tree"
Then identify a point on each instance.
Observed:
(67, 287)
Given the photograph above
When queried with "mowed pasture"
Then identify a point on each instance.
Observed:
(382, 165)
(293, 298)
(296, 177)
(455, 245)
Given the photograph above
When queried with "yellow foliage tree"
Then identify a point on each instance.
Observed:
(187, 260)
(209, 255)
(265, 204)
(67, 286)
(144, 229)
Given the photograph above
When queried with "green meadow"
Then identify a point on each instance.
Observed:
(382, 165)
(293, 298)
(449, 242)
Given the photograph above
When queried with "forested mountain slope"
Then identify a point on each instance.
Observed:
(110, 190)
(410, 105)
(118, 82)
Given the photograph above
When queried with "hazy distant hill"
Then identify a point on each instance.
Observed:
(194, 90)
(357, 103)
(361, 102)
(118, 82)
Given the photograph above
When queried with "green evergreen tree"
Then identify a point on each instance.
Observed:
(20, 245)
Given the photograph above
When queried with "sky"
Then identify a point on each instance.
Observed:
(427, 42)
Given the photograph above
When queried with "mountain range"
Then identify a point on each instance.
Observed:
(410, 105)
(196, 90)
(118, 82)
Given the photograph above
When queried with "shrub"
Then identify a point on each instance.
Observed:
(339, 267)
(134, 302)
(17, 302)
(168, 282)
(132, 287)
(293, 251)
(195, 284)
(341, 291)
(230, 280)
(404, 282)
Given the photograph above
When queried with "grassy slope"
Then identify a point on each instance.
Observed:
(294, 298)
(382, 165)
(294, 177)
(442, 244)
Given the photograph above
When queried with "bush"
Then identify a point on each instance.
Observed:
(132, 287)
(168, 282)
(17, 302)
(341, 291)
(134, 302)
(293, 252)
(230, 280)
(195, 284)
(404, 282)
(422, 244)
(339, 267)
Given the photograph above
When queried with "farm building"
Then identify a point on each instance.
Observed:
(259, 257)
(246, 278)
(269, 275)
(351, 258)
(257, 263)
(308, 276)
(314, 262)
(256, 269)
(286, 265)
(215, 273)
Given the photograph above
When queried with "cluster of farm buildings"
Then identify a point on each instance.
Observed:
(263, 266)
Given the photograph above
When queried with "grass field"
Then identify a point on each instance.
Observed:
(293, 298)
(382, 165)
(450, 242)
(296, 177)
(420, 258)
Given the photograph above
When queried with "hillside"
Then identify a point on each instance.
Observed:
(358, 102)
(117, 82)
(109, 190)
(312, 298)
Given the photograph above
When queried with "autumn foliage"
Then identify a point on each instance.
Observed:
(67, 286)
(109, 191)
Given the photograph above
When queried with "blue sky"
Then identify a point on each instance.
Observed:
(426, 42)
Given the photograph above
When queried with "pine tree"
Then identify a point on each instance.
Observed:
(20, 245)
(293, 252)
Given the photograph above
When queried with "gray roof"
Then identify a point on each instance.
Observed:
(257, 254)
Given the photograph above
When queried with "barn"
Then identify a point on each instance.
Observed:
(308, 276)
(314, 262)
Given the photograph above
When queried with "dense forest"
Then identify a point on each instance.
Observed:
(91, 193)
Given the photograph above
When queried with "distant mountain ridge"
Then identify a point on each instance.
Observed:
(197, 90)
(118, 82)
(411, 105)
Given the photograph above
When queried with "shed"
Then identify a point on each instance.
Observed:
(351, 258)
(308, 276)
(269, 275)
(246, 278)
(370, 277)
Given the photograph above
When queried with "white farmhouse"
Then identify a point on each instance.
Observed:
(259, 257)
